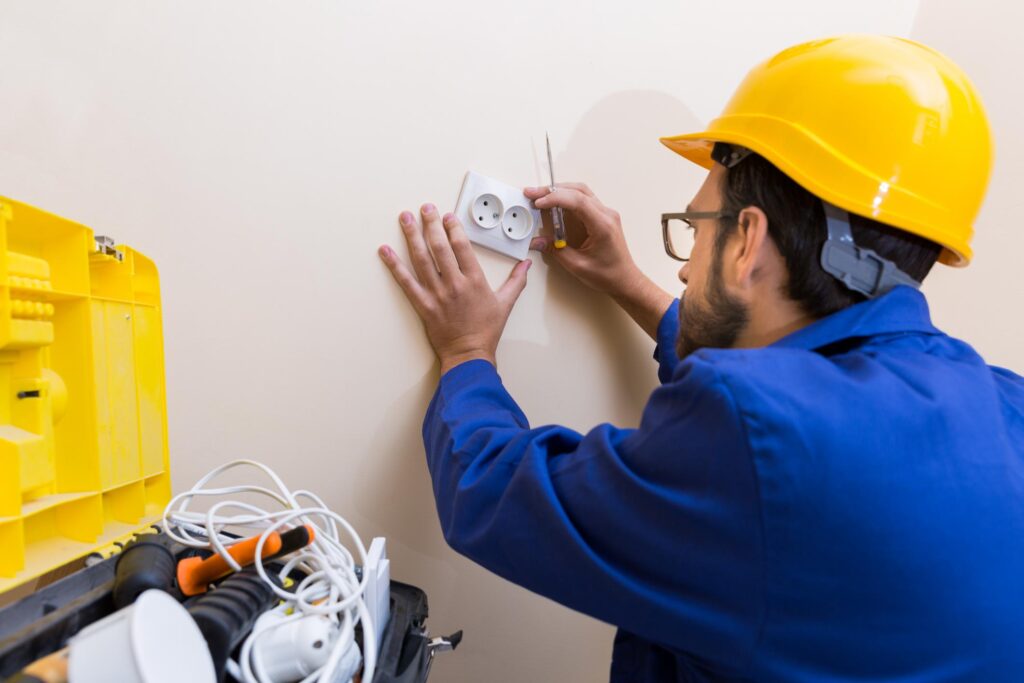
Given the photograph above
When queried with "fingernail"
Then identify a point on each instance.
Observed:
(449, 217)
(428, 208)
(528, 264)
(385, 251)
(406, 218)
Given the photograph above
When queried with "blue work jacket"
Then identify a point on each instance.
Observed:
(846, 504)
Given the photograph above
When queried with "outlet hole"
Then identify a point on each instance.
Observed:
(517, 222)
(318, 644)
(486, 211)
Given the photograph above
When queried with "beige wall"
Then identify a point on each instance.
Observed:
(984, 303)
(259, 151)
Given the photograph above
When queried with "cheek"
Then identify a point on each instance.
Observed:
(695, 277)
(699, 267)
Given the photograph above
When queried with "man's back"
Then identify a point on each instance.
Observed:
(890, 470)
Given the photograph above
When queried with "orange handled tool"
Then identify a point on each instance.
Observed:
(195, 573)
(292, 540)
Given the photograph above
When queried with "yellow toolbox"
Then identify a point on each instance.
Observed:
(83, 421)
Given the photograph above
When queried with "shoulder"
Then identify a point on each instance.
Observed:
(893, 383)
(760, 378)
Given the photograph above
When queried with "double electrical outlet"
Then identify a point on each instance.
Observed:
(497, 216)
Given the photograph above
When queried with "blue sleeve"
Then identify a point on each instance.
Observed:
(665, 351)
(655, 530)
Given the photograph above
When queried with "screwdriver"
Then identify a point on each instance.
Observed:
(195, 574)
(556, 212)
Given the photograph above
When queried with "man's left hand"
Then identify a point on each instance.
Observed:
(463, 317)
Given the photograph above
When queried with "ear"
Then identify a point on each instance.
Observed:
(750, 247)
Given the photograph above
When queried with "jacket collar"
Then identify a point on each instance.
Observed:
(902, 310)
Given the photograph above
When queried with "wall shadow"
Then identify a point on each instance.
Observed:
(615, 150)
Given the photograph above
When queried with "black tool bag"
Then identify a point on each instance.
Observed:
(43, 622)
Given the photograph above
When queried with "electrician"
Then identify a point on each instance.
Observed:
(824, 486)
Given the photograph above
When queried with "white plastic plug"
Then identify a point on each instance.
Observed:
(290, 650)
(514, 214)
(348, 665)
(286, 651)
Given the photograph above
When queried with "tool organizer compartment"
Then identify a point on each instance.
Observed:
(83, 445)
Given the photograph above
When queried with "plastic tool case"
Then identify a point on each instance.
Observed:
(84, 463)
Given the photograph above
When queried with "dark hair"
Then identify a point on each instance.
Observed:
(796, 223)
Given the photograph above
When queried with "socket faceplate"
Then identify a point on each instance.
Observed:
(512, 235)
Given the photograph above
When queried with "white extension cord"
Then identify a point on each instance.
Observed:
(331, 589)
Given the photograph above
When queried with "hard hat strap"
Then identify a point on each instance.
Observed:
(859, 268)
(729, 155)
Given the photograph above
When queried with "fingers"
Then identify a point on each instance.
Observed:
(422, 261)
(571, 259)
(585, 206)
(540, 244)
(437, 240)
(582, 187)
(535, 192)
(461, 247)
(510, 290)
(404, 277)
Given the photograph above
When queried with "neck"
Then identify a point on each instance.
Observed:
(771, 319)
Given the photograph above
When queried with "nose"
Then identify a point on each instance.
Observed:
(684, 273)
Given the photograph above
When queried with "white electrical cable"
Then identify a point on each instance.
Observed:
(330, 587)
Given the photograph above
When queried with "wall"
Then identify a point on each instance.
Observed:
(982, 303)
(260, 151)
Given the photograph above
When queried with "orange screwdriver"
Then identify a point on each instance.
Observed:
(195, 574)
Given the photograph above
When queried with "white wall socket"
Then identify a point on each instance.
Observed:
(497, 216)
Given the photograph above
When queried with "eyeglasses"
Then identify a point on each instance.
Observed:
(677, 231)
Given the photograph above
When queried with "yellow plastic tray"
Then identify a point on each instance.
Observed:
(83, 418)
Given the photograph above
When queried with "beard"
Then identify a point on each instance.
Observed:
(714, 324)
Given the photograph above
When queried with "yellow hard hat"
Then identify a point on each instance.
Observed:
(879, 126)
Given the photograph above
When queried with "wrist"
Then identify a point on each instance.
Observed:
(645, 302)
(631, 287)
(451, 359)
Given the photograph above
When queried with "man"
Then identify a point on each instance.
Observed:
(825, 486)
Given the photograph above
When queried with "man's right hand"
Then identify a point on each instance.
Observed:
(597, 253)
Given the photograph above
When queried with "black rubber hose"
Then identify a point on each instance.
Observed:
(145, 563)
(226, 614)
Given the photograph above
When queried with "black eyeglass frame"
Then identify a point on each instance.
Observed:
(686, 217)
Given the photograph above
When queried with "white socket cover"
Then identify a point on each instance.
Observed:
(518, 219)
